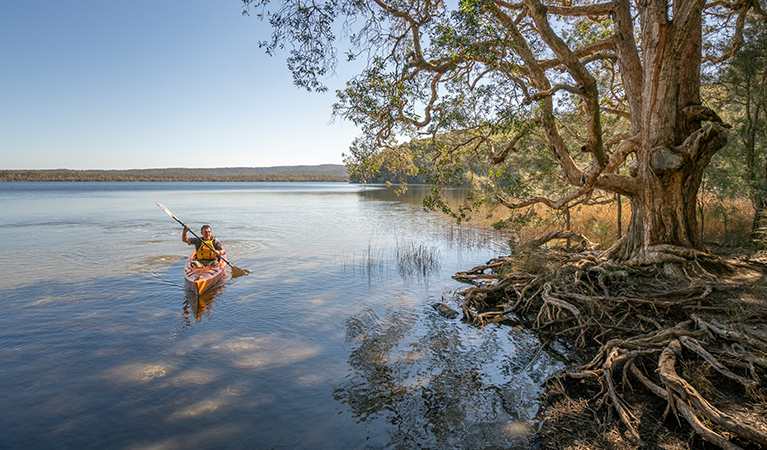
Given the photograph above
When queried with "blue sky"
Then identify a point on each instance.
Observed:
(88, 84)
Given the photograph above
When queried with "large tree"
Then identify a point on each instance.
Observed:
(613, 88)
(486, 67)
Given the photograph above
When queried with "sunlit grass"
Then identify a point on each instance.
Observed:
(720, 221)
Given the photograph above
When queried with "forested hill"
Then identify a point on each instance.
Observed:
(324, 172)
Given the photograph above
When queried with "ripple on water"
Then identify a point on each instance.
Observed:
(329, 342)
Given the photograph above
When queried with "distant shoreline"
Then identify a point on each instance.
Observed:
(323, 173)
(160, 179)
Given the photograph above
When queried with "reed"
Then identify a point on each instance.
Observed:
(372, 262)
(417, 259)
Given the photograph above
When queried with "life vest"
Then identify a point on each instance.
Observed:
(204, 252)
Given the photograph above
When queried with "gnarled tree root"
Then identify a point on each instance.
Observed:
(637, 317)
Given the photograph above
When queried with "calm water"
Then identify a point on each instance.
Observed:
(330, 342)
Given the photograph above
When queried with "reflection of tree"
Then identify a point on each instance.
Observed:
(439, 385)
(415, 194)
(446, 228)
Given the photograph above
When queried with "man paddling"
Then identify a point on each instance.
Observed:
(205, 256)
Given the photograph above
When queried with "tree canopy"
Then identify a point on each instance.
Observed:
(611, 90)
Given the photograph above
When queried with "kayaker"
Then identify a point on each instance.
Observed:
(205, 256)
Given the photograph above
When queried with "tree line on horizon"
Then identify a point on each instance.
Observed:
(79, 175)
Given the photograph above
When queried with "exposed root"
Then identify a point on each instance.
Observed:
(700, 347)
(685, 394)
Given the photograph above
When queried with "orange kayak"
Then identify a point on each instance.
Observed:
(200, 279)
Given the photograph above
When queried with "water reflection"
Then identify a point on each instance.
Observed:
(306, 352)
(414, 194)
(197, 306)
(458, 236)
(439, 383)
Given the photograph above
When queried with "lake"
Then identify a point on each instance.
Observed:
(330, 343)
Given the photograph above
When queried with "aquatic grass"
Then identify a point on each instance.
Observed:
(373, 262)
(417, 259)
(410, 259)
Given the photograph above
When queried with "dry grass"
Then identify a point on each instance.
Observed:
(723, 222)
(726, 222)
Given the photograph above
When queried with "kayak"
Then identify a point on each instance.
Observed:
(200, 279)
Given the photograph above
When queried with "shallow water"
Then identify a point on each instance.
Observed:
(330, 343)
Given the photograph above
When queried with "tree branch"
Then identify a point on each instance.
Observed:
(737, 38)
(629, 63)
(540, 81)
(549, 92)
(497, 158)
(597, 9)
(553, 204)
(578, 71)
(590, 49)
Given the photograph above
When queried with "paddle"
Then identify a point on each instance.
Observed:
(236, 271)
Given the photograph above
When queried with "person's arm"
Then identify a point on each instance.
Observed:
(184, 237)
(219, 248)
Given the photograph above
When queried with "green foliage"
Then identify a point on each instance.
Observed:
(726, 175)
(517, 220)
(436, 202)
(740, 92)
(454, 122)
(478, 93)
(308, 29)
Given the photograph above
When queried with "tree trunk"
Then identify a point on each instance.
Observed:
(664, 223)
(753, 122)
(663, 216)
(675, 149)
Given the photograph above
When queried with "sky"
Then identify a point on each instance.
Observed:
(87, 84)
